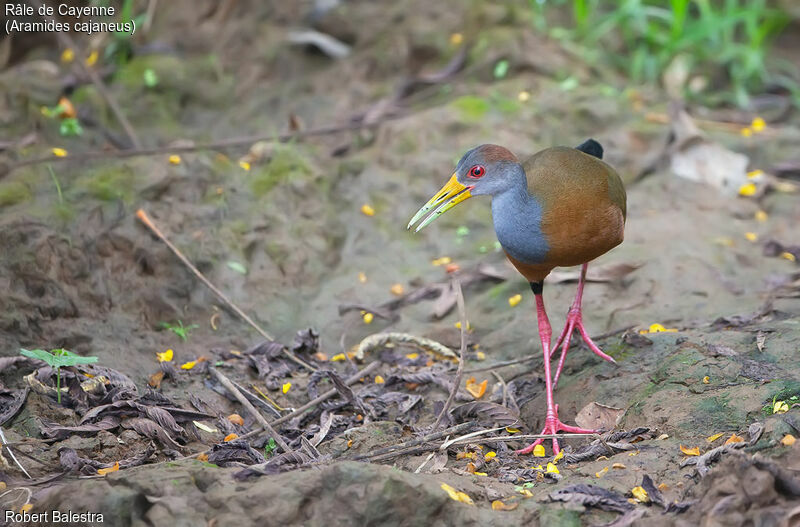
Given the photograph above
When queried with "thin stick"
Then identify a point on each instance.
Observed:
(460, 371)
(313, 402)
(142, 216)
(10, 453)
(503, 385)
(66, 42)
(225, 143)
(250, 408)
(418, 441)
(516, 437)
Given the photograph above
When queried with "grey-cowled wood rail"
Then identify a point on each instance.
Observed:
(561, 207)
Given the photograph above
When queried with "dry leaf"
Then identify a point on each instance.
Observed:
(202, 457)
(734, 439)
(498, 505)
(477, 390)
(104, 471)
(155, 379)
(713, 438)
(205, 428)
(695, 451)
(596, 416)
(236, 419)
(619, 466)
(788, 440)
(230, 437)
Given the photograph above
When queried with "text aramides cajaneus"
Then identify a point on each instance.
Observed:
(559, 208)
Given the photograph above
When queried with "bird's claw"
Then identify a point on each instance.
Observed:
(552, 425)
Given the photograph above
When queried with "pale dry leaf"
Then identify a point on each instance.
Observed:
(596, 416)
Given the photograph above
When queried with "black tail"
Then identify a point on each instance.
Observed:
(591, 147)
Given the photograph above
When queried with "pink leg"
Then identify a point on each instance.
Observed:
(575, 320)
(552, 425)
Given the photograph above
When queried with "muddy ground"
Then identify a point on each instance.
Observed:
(79, 271)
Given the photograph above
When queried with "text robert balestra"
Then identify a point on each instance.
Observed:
(54, 516)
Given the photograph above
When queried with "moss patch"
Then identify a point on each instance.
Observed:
(14, 192)
(286, 164)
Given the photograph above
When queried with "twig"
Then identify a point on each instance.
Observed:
(250, 408)
(504, 386)
(225, 143)
(313, 402)
(66, 42)
(417, 442)
(10, 453)
(460, 371)
(413, 450)
(142, 216)
(515, 437)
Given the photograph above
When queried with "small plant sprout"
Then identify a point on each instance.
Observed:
(270, 447)
(179, 329)
(56, 359)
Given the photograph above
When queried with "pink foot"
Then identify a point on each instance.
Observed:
(574, 320)
(552, 425)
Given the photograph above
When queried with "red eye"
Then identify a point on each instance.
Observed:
(476, 172)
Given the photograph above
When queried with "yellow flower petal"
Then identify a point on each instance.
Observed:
(713, 438)
(174, 159)
(761, 216)
(362, 277)
(457, 495)
(92, 58)
(412, 356)
(444, 260)
(230, 437)
(59, 152)
(286, 387)
(498, 505)
(788, 440)
(338, 357)
(758, 124)
(788, 256)
(244, 166)
(751, 236)
(476, 389)
(514, 300)
(104, 471)
(558, 456)
(188, 365)
(368, 317)
(367, 210)
(480, 355)
(67, 56)
(480, 474)
(538, 451)
(748, 189)
(379, 379)
(640, 494)
(552, 469)
(619, 466)
(512, 430)
(706, 379)
(746, 131)
(456, 39)
(396, 289)
(780, 407)
(695, 451)
(28, 507)
(755, 174)
(236, 419)
(601, 473)
(523, 96)
(165, 356)
(489, 456)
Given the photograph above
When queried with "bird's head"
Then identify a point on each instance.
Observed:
(485, 169)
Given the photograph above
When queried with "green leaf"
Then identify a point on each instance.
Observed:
(58, 358)
(501, 69)
(150, 78)
(236, 266)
